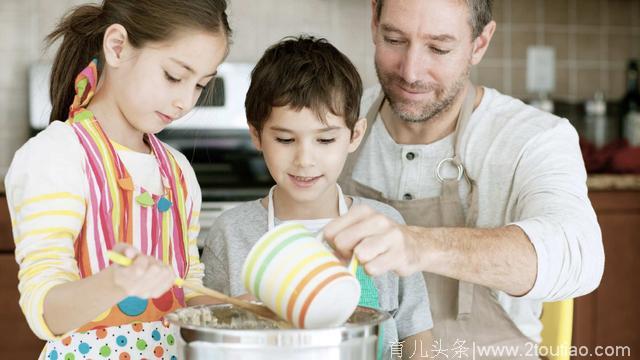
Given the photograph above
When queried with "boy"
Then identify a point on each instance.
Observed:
(302, 107)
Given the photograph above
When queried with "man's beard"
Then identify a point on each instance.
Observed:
(411, 111)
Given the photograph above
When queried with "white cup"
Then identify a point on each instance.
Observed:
(295, 274)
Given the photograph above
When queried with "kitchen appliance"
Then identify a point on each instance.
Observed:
(224, 110)
(214, 137)
(224, 332)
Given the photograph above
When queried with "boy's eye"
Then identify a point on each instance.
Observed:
(284, 140)
(171, 78)
(326, 141)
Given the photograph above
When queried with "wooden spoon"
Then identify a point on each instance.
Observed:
(259, 310)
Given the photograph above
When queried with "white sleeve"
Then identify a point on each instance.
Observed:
(196, 268)
(555, 213)
(46, 187)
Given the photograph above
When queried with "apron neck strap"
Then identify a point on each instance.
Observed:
(372, 115)
(463, 120)
(271, 217)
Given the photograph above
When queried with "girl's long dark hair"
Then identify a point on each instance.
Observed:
(82, 31)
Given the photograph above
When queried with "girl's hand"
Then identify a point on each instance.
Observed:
(146, 277)
(246, 297)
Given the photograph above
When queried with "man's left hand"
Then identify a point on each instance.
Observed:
(379, 243)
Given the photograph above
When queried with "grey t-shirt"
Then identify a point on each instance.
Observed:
(236, 230)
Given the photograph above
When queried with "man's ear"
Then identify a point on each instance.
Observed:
(374, 21)
(115, 43)
(481, 43)
(357, 134)
(255, 137)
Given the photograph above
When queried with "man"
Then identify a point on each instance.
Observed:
(493, 191)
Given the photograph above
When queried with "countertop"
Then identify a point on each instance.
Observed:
(604, 182)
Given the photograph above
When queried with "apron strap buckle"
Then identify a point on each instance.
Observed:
(455, 162)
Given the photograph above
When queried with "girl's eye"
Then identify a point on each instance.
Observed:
(326, 141)
(439, 51)
(200, 87)
(171, 78)
(284, 141)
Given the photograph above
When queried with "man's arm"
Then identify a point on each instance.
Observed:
(501, 258)
(553, 249)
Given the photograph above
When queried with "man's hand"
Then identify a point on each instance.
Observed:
(379, 243)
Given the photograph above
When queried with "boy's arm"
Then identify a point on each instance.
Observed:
(413, 317)
(215, 259)
(416, 346)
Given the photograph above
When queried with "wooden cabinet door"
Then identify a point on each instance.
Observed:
(610, 316)
(6, 240)
(19, 342)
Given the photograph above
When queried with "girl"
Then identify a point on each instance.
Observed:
(101, 180)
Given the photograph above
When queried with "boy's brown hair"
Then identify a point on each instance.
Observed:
(304, 72)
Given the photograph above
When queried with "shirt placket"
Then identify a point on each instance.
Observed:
(410, 174)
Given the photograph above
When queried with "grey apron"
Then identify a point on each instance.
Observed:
(464, 315)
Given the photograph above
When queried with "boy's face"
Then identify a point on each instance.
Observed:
(305, 156)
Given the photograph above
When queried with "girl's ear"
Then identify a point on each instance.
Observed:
(255, 137)
(356, 135)
(114, 44)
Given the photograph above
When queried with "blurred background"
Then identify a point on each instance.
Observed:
(571, 57)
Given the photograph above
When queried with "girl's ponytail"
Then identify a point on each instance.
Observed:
(81, 31)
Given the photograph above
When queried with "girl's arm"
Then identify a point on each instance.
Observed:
(70, 305)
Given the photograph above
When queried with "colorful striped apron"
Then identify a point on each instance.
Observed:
(120, 211)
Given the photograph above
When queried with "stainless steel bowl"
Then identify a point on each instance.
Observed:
(226, 332)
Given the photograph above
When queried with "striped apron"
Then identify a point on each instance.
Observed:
(117, 210)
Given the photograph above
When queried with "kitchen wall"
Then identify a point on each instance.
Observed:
(593, 39)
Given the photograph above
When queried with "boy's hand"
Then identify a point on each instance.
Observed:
(380, 244)
(146, 277)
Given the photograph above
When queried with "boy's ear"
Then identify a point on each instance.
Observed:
(356, 135)
(255, 137)
(115, 43)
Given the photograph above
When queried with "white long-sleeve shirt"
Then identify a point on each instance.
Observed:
(529, 172)
(47, 174)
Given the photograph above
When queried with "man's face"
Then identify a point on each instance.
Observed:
(423, 54)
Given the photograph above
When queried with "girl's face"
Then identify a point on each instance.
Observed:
(161, 82)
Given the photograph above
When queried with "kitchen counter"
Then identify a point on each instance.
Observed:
(603, 182)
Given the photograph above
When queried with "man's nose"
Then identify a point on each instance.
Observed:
(412, 64)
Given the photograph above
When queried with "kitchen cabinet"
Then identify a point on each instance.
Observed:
(610, 316)
(6, 240)
(18, 340)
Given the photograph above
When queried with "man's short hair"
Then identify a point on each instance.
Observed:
(304, 72)
(480, 11)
